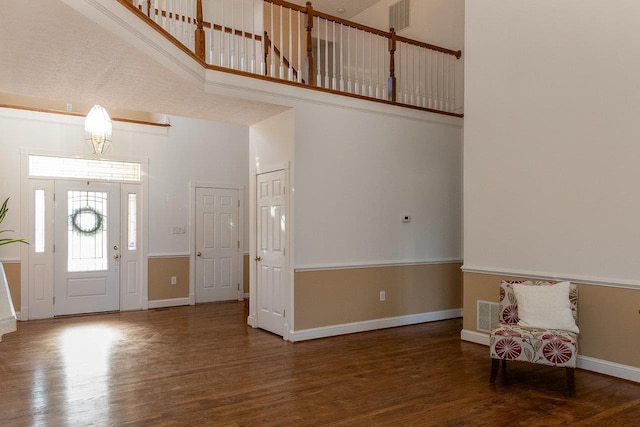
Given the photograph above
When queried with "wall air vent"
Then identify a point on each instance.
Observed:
(399, 15)
(488, 315)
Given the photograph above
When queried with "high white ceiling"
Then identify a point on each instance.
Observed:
(351, 7)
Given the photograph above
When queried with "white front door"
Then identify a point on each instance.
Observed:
(270, 252)
(217, 245)
(87, 247)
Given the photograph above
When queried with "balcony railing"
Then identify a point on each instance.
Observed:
(300, 45)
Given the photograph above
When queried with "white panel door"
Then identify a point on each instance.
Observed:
(270, 251)
(87, 247)
(217, 245)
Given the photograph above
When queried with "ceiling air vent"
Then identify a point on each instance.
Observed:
(399, 15)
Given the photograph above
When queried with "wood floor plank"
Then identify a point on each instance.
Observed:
(202, 365)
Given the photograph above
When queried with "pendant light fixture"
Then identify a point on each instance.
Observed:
(98, 129)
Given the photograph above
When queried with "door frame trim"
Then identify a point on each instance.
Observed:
(192, 238)
(27, 185)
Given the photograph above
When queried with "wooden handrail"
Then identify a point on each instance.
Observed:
(357, 26)
(456, 53)
(240, 33)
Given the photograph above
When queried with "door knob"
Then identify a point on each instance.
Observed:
(199, 254)
(258, 258)
(116, 256)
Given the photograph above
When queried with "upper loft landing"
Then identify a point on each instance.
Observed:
(281, 42)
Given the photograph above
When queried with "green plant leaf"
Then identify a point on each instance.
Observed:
(3, 212)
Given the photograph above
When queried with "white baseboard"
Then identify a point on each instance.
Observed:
(613, 369)
(587, 363)
(370, 325)
(173, 302)
(476, 337)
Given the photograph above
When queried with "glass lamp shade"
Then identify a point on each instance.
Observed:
(98, 129)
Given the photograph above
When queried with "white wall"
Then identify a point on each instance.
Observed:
(551, 152)
(190, 150)
(438, 22)
(359, 172)
(272, 142)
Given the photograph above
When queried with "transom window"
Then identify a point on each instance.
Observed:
(67, 167)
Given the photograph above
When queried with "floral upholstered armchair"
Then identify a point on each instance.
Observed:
(537, 325)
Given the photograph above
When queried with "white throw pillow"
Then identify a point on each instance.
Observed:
(545, 307)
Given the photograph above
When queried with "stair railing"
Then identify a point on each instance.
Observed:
(299, 44)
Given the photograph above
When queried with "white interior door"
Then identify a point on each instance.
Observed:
(217, 245)
(87, 247)
(270, 251)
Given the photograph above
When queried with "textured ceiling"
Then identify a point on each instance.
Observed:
(49, 50)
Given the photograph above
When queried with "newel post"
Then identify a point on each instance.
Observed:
(309, 72)
(391, 83)
(200, 37)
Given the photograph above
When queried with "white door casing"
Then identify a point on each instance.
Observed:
(217, 245)
(271, 262)
(38, 223)
(87, 247)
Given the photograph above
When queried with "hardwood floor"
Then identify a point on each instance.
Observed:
(203, 366)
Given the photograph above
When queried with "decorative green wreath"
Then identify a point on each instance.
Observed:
(77, 223)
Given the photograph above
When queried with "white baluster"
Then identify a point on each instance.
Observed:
(447, 81)
(414, 76)
(157, 17)
(243, 39)
(263, 65)
(318, 68)
(299, 49)
(334, 76)
(372, 92)
(326, 54)
(233, 63)
(222, 35)
(356, 83)
(349, 88)
(281, 47)
(272, 70)
(423, 80)
(341, 60)
(290, 76)
(253, 37)
(454, 63)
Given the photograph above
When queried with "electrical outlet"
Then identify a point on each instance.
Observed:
(174, 280)
(383, 295)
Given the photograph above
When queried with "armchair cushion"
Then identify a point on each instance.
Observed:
(545, 307)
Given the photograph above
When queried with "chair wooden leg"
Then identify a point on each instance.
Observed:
(505, 381)
(495, 363)
(571, 381)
